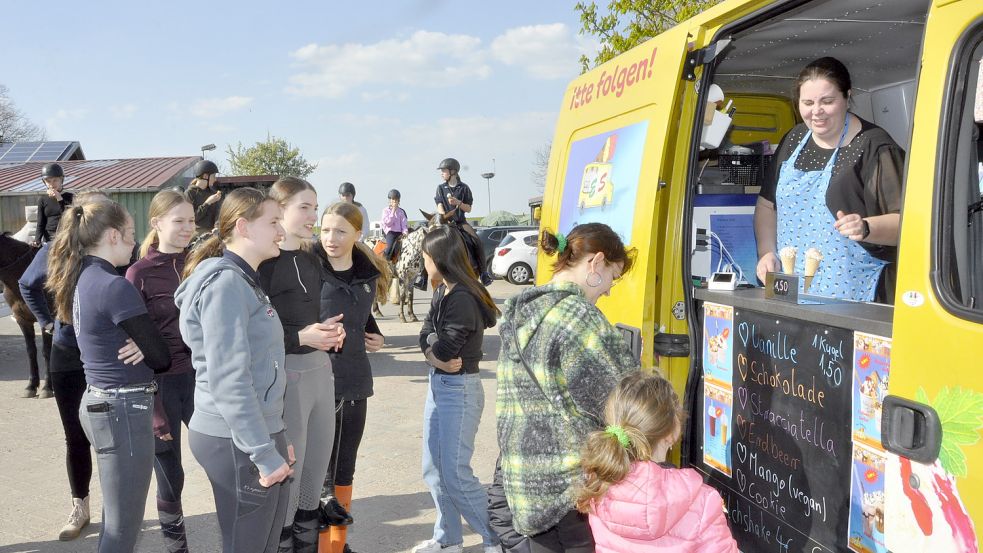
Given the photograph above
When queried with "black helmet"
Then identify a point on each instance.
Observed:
(346, 189)
(50, 170)
(205, 167)
(451, 164)
(394, 194)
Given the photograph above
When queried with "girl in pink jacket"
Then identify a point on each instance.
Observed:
(636, 501)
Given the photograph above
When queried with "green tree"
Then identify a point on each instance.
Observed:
(629, 23)
(275, 156)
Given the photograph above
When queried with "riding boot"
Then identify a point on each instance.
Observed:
(333, 541)
(172, 526)
(305, 533)
(286, 540)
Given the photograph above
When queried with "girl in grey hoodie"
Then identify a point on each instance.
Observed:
(236, 339)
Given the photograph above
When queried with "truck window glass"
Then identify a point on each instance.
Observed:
(961, 236)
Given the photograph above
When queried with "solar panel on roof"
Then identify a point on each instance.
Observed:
(34, 151)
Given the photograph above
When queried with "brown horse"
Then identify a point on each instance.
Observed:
(15, 256)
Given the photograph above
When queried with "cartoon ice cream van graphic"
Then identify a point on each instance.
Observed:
(596, 188)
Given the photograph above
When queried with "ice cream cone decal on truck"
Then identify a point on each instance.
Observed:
(596, 188)
(924, 505)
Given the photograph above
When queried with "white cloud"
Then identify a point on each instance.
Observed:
(124, 111)
(216, 107)
(385, 96)
(61, 125)
(425, 58)
(550, 51)
(339, 161)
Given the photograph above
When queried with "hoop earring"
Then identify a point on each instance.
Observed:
(596, 283)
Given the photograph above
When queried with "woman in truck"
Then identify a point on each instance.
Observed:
(831, 209)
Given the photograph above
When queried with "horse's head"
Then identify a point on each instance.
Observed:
(434, 220)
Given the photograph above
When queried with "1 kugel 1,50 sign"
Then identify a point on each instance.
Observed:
(784, 473)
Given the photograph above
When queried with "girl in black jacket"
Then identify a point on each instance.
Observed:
(353, 277)
(451, 339)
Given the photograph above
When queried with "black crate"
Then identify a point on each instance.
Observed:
(745, 170)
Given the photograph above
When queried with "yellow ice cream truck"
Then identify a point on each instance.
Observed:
(826, 424)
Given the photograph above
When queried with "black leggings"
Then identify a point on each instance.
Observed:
(572, 535)
(68, 384)
(177, 392)
(392, 238)
(349, 426)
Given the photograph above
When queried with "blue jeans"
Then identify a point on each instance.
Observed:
(120, 429)
(450, 422)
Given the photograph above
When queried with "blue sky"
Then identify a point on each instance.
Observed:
(377, 93)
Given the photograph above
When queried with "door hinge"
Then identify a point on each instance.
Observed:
(702, 56)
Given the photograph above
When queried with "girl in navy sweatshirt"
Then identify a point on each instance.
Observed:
(107, 312)
(451, 339)
(156, 276)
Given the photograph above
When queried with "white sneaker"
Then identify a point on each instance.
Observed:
(492, 549)
(433, 546)
(76, 521)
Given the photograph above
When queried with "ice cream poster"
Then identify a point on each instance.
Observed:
(601, 182)
(871, 371)
(718, 344)
(717, 429)
(867, 506)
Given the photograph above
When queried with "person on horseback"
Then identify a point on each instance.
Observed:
(453, 199)
(394, 224)
(346, 192)
(204, 197)
(51, 206)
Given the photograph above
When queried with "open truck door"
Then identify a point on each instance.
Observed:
(612, 162)
(933, 417)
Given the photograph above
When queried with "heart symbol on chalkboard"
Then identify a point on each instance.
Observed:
(741, 480)
(741, 452)
(744, 331)
(742, 366)
(742, 426)
(742, 395)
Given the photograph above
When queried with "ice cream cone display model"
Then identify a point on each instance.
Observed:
(813, 258)
(788, 255)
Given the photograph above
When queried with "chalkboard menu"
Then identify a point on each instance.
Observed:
(776, 428)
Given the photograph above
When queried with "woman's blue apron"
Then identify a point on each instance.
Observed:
(847, 270)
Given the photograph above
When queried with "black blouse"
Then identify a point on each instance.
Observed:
(866, 175)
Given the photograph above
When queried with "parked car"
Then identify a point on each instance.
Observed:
(491, 237)
(515, 257)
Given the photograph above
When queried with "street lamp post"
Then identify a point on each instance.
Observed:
(206, 148)
(488, 178)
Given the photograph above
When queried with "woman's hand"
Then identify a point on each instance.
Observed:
(213, 198)
(768, 263)
(277, 476)
(374, 342)
(850, 225)
(323, 336)
(291, 456)
(130, 353)
(452, 366)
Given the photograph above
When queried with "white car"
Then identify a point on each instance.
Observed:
(515, 257)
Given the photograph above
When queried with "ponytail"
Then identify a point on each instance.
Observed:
(82, 227)
(642, 411)
(587, 239)
(211, 247)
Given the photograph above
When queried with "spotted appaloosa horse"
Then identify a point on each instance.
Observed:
(15, 256)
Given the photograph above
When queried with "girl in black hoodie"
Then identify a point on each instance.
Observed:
(353, 277)
(451, 340)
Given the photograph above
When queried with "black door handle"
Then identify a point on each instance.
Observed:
(911, 429)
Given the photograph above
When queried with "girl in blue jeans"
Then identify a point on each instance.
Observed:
(451, 339)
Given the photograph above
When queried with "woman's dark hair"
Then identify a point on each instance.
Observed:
(829, 69)
(446, 248)
(588, 239)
